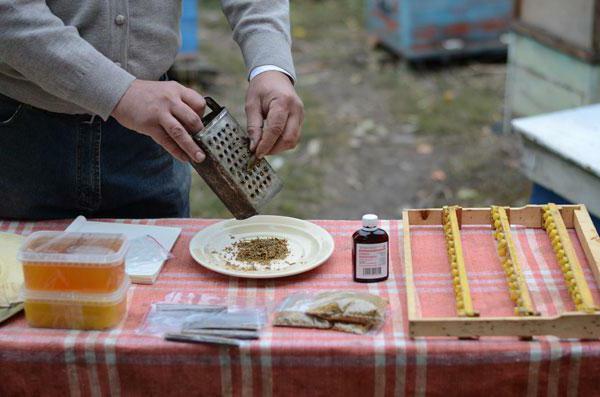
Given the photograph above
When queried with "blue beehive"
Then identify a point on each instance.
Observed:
(189, 27)
(420, 29)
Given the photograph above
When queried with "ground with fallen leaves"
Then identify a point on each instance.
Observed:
(379, 136)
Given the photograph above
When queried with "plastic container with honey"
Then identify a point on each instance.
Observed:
(73, 262)
(76, 310)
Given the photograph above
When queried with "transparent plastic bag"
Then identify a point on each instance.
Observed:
(166, 318)
(346, 311)
(231, 319)
(145, 257)
(204, 323)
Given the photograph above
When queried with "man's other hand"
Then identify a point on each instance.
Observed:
(167, 112)
(274, 113)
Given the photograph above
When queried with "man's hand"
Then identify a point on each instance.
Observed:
(167, 112)
(274, 113)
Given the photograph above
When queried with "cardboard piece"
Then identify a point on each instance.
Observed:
(11, 273)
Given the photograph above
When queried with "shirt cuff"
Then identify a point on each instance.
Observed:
(267, 48)
(101, 85)
(266, 68)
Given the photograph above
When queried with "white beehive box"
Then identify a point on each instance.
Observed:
(561, 151)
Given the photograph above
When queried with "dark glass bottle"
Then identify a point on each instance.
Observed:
(370, 252)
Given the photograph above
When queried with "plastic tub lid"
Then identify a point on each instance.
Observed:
(78, 297)
(92, 248)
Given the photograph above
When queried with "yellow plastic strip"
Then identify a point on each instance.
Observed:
(517, 286)
(579, 290)
(464, 305)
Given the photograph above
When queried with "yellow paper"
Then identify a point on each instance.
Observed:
(11, 273)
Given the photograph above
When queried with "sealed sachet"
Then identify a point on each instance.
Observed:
(349, 307)
(352, 328)
(166, 318)
(293, 313)
(232, 319)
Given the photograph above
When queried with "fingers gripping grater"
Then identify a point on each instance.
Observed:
(243, 183)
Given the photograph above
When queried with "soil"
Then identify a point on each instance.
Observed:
(379, 135)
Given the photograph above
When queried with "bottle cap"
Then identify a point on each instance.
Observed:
(370, 220)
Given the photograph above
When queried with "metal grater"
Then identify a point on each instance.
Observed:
(242, 183)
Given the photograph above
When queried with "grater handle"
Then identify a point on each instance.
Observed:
(212, 104)
(215, 110)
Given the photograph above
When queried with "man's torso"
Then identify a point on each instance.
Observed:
(141, 36)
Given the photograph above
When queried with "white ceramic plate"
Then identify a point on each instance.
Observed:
(310, 245)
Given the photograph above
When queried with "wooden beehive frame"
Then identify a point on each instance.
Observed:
(583, 323)
(517, 285)
(464, 305)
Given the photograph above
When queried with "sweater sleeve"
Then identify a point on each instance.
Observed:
(38, 45)
(262, 30)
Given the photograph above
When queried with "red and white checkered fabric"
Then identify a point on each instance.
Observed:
(297, 362)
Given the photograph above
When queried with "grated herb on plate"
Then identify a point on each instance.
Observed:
(261, 250)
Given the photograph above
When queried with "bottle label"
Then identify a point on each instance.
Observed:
(372, 260)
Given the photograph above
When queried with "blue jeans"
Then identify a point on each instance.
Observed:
(542, 195)
(59, 166)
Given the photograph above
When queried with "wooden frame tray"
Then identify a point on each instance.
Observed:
(555, 219)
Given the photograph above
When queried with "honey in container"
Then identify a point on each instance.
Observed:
(73, 262)
(76, 310)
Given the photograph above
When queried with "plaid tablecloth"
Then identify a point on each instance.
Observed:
(295, 362)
